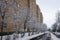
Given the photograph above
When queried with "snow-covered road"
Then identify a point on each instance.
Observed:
(53, 37)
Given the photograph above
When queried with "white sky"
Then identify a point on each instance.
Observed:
(49, 9)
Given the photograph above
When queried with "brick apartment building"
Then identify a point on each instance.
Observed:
(20, 12)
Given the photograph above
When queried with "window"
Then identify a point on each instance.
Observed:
(0, 24)
(17, 19)
(0, 3)
(14, 1)
(15, 25)
(6, 15)
(4, 25)
(0, 14)
(18, 5)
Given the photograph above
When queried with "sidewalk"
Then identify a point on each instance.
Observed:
(53, 37)
(29, 37)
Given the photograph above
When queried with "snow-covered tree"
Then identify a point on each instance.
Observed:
(58, 17)
(58, 21)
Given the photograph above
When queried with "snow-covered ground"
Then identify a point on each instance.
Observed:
(30, 37)
(26, 37)
(53, 37)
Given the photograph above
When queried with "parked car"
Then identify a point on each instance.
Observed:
(48, 36)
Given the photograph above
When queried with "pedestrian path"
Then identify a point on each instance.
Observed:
(30, 37)
(53, 37)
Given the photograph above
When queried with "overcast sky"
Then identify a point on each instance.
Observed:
(49, 9)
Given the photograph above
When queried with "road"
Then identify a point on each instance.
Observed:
(47, 36)
(53, 37)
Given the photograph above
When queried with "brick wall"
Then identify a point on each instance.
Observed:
(18, 11)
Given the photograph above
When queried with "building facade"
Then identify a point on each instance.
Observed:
(22, 14)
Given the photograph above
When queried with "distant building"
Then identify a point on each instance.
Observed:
(44, 28)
